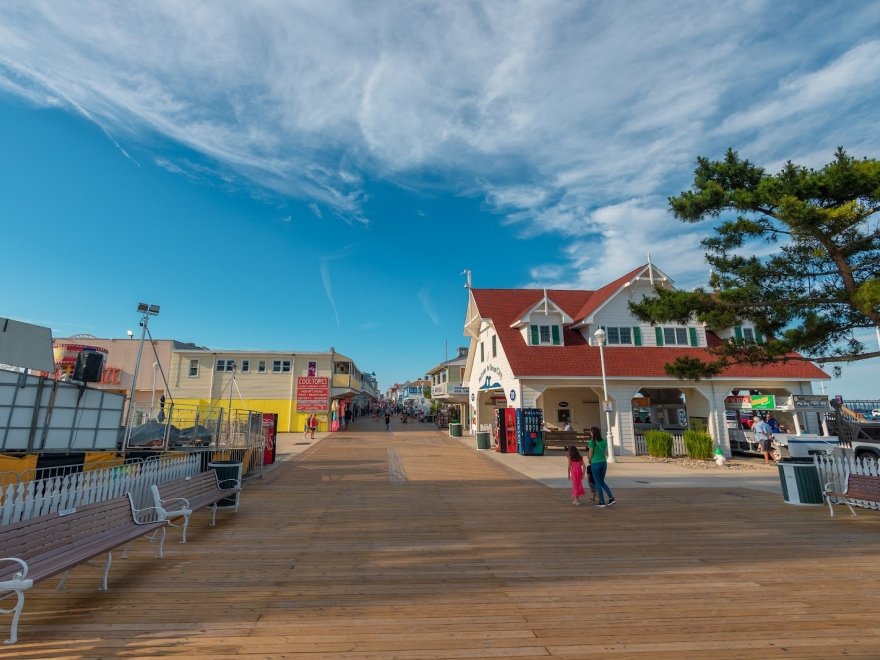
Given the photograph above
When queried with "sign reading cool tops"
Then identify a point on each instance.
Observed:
(312, 393)
(753, 402)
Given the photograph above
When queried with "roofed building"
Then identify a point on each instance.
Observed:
(536, 348)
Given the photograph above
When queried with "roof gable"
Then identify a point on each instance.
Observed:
(601, 296)
(545, 304)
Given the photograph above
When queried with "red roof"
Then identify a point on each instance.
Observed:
(576, 358)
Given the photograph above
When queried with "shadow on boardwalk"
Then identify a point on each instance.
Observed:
(408, 544)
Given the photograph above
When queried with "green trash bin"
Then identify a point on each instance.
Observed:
(226, 472)
(484, 440)
(800, 481)
(455, 430)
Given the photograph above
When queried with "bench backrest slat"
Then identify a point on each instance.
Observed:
(204, 482)
(859, 486)
(41, 535)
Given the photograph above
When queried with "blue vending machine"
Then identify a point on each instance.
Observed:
(529, 431)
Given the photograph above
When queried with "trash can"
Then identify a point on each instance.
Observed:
(455, 430)
(800, 481)
(227, 471)
(484, 440)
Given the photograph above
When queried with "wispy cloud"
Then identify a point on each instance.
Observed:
(424, 298)
(558, 114)
(325, 276)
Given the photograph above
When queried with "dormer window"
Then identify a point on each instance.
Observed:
(748, 334)
(544, 335)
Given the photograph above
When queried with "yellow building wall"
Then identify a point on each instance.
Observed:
(289, 421)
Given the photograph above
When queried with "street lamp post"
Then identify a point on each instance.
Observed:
(600, 340)
(147, 311)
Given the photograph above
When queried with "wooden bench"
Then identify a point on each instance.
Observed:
(859, 488)
(42, 547)
(564, 439)
(179, 498)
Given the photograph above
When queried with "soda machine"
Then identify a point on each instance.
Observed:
(529, 431)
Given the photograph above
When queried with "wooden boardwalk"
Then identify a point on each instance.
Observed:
(411, 545)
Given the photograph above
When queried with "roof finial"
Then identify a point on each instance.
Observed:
(546, 309)
(467, 273)
(650, 269)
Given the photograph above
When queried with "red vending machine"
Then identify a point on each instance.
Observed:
(498, 430)
(270, 428)
(509, 430)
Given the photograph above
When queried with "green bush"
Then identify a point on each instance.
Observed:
(698, 444)
(659, 443)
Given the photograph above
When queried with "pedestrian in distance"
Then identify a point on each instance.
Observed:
(387, 421)
(764, 438)
(597, 455)
(576, 475)
(306, 426)
(313, 425)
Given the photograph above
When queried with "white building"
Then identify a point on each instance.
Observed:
(535, 348)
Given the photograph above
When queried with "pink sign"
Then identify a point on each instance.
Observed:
(312, 393)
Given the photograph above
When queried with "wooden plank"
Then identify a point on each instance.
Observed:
(411, 545)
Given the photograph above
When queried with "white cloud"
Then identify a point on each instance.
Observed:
(557, 113)
(424, 298)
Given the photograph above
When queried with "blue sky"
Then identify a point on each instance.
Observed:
(301, 175)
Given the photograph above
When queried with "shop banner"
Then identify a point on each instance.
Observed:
(817, 402)
(763, 402)
(312, 393)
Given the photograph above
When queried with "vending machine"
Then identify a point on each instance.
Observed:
(498, 430)
(270, 430)
(529, 431)
(510, 430)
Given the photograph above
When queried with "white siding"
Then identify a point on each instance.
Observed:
(616, 313)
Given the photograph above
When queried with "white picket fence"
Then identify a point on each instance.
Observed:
(22, 501)
(835, 468)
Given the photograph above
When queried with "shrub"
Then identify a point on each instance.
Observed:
(698, 444)
(659, 443)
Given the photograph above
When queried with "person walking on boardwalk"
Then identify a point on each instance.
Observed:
(387, 420)
(313, 425)
(597, 455)
(576, 475)
(764, 437)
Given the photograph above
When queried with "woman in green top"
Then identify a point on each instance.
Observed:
(597, 455)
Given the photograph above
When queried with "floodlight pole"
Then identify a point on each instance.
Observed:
(147, 311)
(600, 339)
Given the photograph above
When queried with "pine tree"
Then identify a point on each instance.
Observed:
(796, 253)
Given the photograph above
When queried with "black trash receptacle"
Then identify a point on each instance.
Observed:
(455, 430)
(800, 481)
(227, 471)
(484, 440)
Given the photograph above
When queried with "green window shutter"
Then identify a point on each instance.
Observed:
(759, 338)
(637, 336)
(738, 333)
(693, 334)
(658, 331)
(534, 330)
(555, 330)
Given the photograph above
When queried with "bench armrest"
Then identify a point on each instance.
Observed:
(20, 575)
(138, 518)
(184, 502)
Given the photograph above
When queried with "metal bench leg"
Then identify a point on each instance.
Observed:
(851, 510)
(161, 532)
(125, 550)
(214, 515)
(830, 508)
(16, 613)
(106, 571)
(185, 525)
